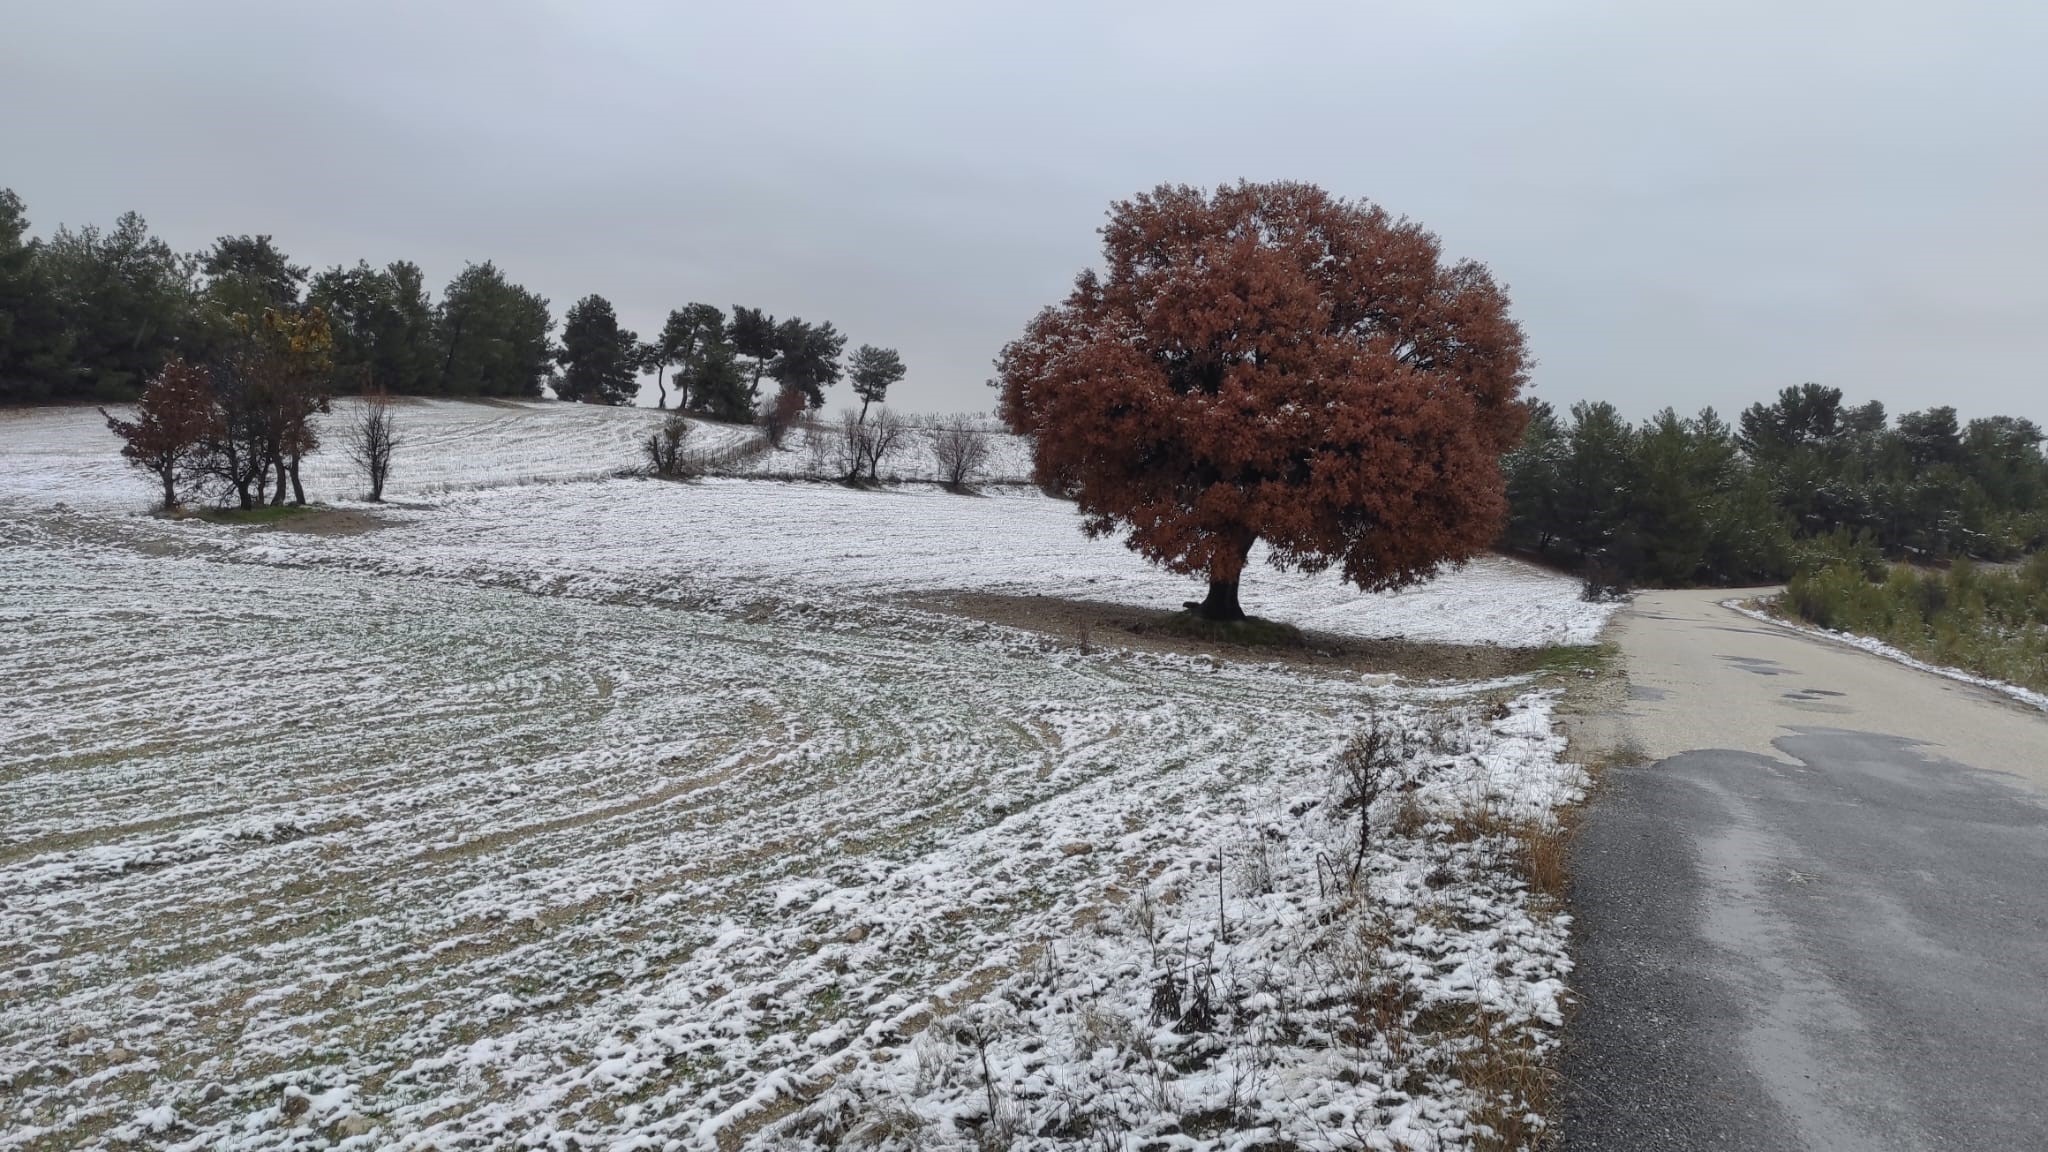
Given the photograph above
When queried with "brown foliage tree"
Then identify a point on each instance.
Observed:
(171, 422)
(1270, 363)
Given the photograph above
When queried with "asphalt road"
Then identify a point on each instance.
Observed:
(1816, 915)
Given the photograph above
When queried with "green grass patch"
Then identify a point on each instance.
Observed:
(1993, 622)
(1250, 632)
(263, 514)
(1574, 657)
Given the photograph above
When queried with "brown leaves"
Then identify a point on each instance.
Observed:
(1267, 360)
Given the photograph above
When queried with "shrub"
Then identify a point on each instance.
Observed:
(663, 448)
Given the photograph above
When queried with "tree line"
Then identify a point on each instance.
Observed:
(1678, 501)
(93, 315)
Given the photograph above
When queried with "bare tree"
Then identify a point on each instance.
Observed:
(846, 445)
(960, 450)
(858, 445)
(664, 447)
(884, 434)
(372, 439)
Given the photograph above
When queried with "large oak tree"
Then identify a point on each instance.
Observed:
(1268, 362)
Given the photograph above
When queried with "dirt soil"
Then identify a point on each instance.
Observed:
(1089, 622)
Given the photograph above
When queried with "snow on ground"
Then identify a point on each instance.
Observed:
(1878, 647)
(296, 856)
(630, 814)
(808, 451)
(730, 543)
(67, 454)
(728, 540)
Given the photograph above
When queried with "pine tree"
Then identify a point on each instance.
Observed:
(872, 371)
(128, 301)
(600, 360)
(688, 332)
(492, 336)
(753, 335)
(383, 327)
(35, 349)
(718, 384)
(807, 359)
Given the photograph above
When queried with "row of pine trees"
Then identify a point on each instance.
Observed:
(91, 315)
(1694, 501)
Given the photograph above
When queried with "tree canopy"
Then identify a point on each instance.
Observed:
(600, 360)
(807, 359)
(872, 371)
(1268, 362)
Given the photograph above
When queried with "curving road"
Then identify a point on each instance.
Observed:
(1816, 915)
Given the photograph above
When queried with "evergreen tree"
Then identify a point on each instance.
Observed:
(807, 359)
(872, 371)
(600, 360)
(35, 350)
(1532, 472)
(754, 336)
(247, 274)
(688, 332)
(492, 335)
(718, 384)
(1593, 483)
(383, 326)
(128, 302)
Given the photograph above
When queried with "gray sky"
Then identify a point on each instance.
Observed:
(1692, 203)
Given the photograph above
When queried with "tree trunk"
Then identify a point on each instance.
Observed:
(661, 403)
(1222, 601)
(170, 492)
(864, 409)
(1225, 567)
(277, 494)
(298, 491)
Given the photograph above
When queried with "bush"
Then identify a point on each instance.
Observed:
(1993, 623)
(664, 448)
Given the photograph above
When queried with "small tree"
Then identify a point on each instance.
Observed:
(1268, 362)
(845, 444)
(372, 440)
(171, 423)
(872, 371)
(959, 451)
(663, 447)
(885, 434)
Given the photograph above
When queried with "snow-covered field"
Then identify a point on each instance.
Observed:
(623, 814)
(48, 455)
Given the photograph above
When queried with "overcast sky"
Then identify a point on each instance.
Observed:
(1692, 203)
